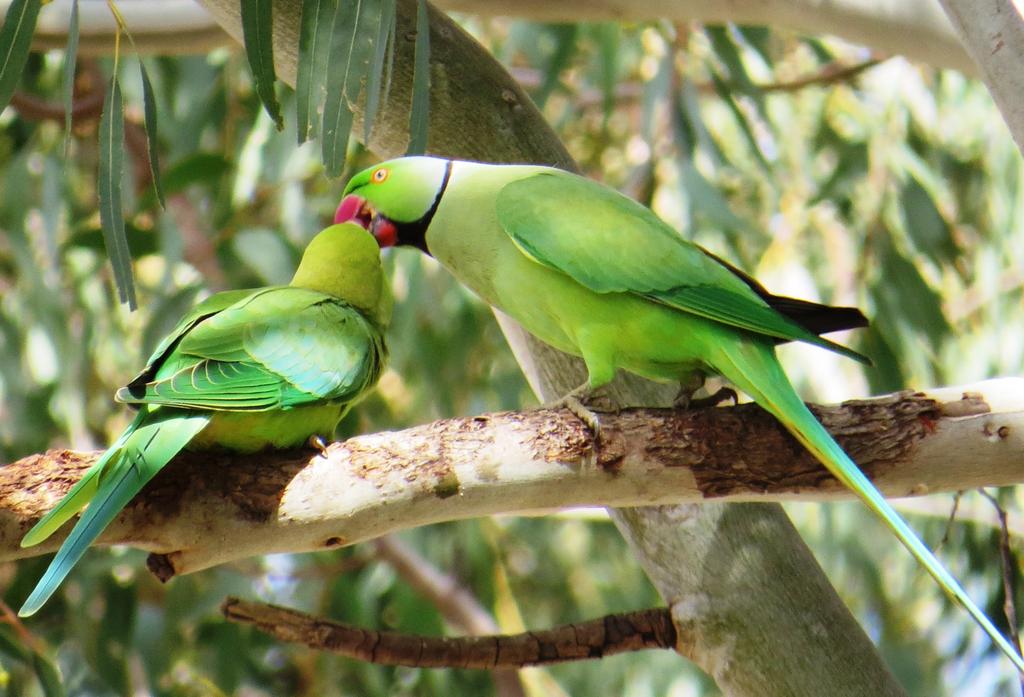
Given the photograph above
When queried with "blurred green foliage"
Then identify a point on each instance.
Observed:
(894, 188)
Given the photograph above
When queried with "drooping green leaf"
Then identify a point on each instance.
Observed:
(257, 23)
(111, 167)
(930, 232)
(352, 50)
(375, 80)
(389, 61)
(361, 52)
(15, 42)
(657, 92)
(759, 38)
(886, 375)
(741, 119)
(728, 53)
(115, 633)
(149, 103)
(419, 114)
(70, 58)
(609, 37)
(48, 675)
(566, 38)
(902, 291)
(314, 42)
(337, 118)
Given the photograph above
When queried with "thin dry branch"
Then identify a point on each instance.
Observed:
(606, 636)
(211, 508)
(456, 604)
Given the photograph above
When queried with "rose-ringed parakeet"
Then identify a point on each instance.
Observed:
(597, 275)
(244, 370)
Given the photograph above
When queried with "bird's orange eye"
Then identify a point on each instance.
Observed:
(380, 175)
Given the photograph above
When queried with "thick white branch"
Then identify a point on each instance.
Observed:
(993, 33)
(916, 29)
(207, 509)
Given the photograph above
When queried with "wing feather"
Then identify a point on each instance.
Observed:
(620, 246)
(279, 348)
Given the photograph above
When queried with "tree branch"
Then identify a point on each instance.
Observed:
(455, 603)
(607, 636)
(207, 509)
(912, 28)
(992, 31)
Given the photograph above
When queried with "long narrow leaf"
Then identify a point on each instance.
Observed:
(70, 58)
(566, 37)
(375, 79)
(419, 114)
(337, 120)
(15, 41)
(149, 103)
(389, 61)
(361, 52)
(314, 41)
(257, 21)
(48, 675)
(741, 119)
(111, 212)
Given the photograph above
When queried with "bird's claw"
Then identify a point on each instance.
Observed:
(317, 442)
(582, 402)
(581, 412)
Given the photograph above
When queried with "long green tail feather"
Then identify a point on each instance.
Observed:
(755, 370)
(80, 494)
(157, 437)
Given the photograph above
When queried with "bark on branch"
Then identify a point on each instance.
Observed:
(606, 636)
(206, 509)
(913, 28)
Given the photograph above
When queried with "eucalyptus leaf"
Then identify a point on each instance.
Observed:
(608, 36)
(149, 103)
(729, 98)
(15, 43)
(419, 114)
(728, 53)
(49, 676)
(314, 42)
(111, 168)
(901, 292)
(931, 234)
(337, 118)
(68, 75)
(257, 28)
(375, 79)
(566, 38)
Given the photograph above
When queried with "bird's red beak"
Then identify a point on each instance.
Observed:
(357, 210)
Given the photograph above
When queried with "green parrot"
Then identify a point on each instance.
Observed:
(243, 371)
(597, 275)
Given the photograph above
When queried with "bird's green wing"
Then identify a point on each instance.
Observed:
(208, 307)
(277, 348)
(609, 243)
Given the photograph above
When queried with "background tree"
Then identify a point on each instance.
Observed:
(890, 186)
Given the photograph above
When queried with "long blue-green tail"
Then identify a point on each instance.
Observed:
(754, 368)
(145, 447)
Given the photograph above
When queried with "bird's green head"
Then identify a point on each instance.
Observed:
(344, 261)
(395, 200)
